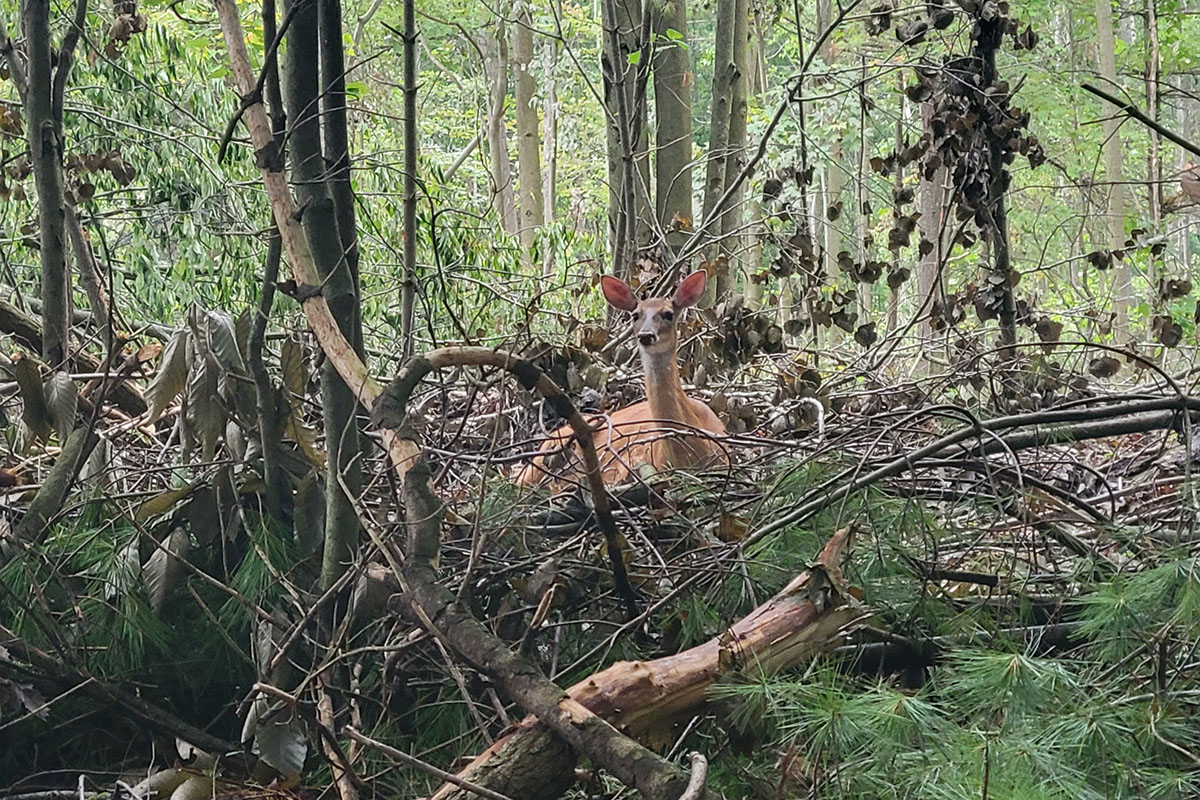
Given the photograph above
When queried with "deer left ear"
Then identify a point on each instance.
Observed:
(691, 290)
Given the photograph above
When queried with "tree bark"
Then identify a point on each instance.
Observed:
(1122, 290)
(1153, 156)
(673, 115)
(496, 68)
(724, 77)
(529, 159)
(733, 218)
(550, 123)
(930, 201)
(628, 165)
(45, 154)
(408, 292)
(301, 91)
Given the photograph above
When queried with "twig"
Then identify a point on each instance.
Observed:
(699, 775)
(1134, 112)
(424, 766)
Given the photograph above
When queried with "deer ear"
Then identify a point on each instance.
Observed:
(691, 290)
(618, 294)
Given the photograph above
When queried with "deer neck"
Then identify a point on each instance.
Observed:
(664, 393)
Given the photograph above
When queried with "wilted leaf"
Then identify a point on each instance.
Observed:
(204, 516)
(291, 363)
(222, 341)
(865, 335)
(205, 415)
(62, 399)
(309, 514)
(281, 743)
(1104, 367)
(305, 437)
(35, 412)
(163, 502)
(1050, 332)
(162, 570)
(731, 527)
(172, 374)
(1166, 330)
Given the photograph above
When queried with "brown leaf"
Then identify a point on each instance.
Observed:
(1104, 367)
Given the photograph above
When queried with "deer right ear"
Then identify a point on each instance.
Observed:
(618, 294)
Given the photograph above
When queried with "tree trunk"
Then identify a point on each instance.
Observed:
(529, 160)
(734, 217)
(1153, 157)
(1113, 167)
(45, 153)
(627, 209)
(496, 68)
(930, 200)
(724, 77)
(550, 125)
(408, 294)
(302, 90)
(673, 115)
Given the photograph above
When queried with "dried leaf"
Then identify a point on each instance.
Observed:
(62, 399)
(162, 570)
(281, 743)
(1104, 367)
(309, 514)
(204, 516)
(172, 374)
(205, 414)
(291, 363)
(163, 502)
(35, 412)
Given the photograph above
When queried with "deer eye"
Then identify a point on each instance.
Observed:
(668, 315)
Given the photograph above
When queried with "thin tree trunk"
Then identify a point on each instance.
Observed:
(529, 159)
(550, 126)
(496, 67)
(724, 77)
(1113, 168)
(930, 204)
(411, 149)
(673, 115)
(733, 218)
(335, 130)
(45, 152)
(302, 90)
(622, 152)
(1154, 163)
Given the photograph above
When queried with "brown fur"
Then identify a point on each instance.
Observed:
(668, 428)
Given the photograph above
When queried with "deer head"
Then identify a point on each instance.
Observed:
(655, 318)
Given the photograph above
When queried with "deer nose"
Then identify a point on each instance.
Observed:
(647, 339)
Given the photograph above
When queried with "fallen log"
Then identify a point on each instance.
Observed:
(647, 699)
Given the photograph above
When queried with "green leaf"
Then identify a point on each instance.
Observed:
(674, 35)
(635, 57)
(356, 90)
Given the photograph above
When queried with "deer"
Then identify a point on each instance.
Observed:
(667, 429)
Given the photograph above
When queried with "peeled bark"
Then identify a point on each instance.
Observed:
(529, 158)
(673, 115)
